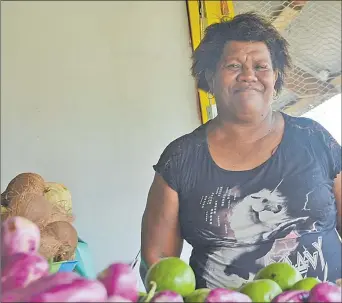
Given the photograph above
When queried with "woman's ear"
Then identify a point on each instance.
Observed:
(209, 77)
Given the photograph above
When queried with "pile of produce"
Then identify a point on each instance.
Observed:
(37, 229)
(25, 277)
(48, 205)
(174, 281)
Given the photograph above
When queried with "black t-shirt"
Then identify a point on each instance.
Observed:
(240, 221)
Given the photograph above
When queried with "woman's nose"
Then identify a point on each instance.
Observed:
(247, 74)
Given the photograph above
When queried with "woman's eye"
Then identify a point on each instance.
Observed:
(233, 66)
(261, 67)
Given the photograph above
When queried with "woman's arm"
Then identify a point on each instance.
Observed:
(338, 197)
(160, 230)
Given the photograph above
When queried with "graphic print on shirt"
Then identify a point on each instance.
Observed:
(241, 223)
(282, 248)
(257, 217)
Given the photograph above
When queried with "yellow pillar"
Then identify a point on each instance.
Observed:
(202, 13)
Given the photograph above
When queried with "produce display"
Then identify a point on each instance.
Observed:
(49, 206)
(31, 237)
(25, 278)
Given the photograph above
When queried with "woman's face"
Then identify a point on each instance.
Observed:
(243, 83)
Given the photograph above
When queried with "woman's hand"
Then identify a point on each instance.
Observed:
(338, 197)
(160, 230)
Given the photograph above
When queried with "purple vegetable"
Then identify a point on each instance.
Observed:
(38, 286)
(120, 280)
(167, 296)
(18, 234)
(226, 295)
(118, 299)
(20, 269)
(292, 296)
(79, 290)
(325, 292)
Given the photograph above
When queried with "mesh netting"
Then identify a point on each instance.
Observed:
(313, 30)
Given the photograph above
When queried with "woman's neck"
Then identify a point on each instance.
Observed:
(246, 132)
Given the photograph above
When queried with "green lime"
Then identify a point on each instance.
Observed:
(262, 290)
(197, 296)
(171, 274)
(284, 274)
(306, 284)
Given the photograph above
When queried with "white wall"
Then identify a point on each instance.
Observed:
(91, 94)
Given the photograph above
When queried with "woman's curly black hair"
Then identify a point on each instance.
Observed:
(243, 27)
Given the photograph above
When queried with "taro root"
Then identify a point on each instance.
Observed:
(37, 209)
(21, 184)
(58, 195)
(58, 241)
(48, 206)
(33, 207)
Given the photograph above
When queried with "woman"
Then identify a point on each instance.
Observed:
(251, 186)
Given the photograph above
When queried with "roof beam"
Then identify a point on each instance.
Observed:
(337, 81)
(284, 18)
(287, 14)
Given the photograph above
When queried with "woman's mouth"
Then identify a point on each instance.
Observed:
(246, 89)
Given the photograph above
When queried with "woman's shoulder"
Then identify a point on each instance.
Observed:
(303, 124)
(306, 131)
(187, 142)
(304, 127)
(177, 153)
